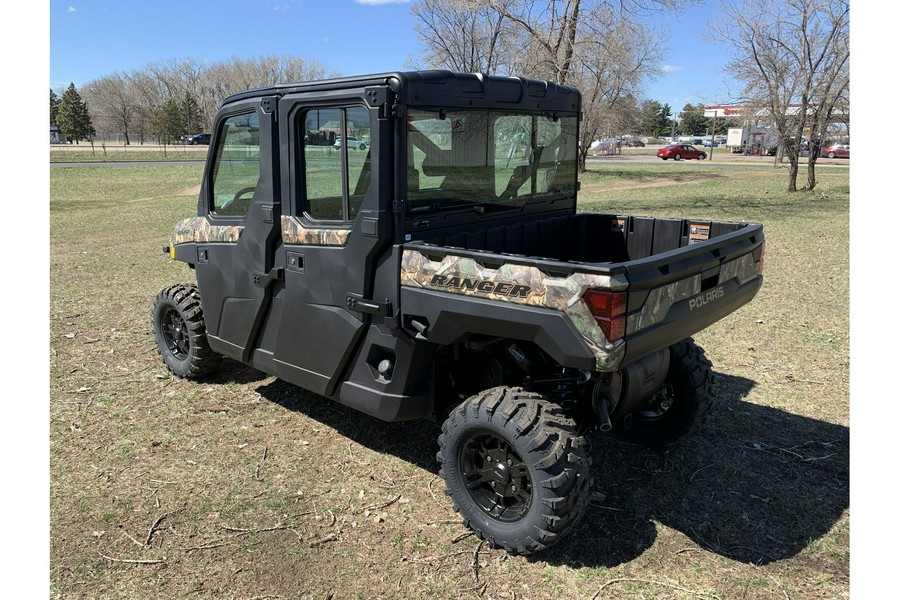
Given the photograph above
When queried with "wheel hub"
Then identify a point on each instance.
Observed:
(496, 477)
(175, 334)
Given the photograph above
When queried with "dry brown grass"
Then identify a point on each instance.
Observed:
(243, 486)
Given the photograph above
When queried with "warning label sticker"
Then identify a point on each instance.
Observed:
(699, 233)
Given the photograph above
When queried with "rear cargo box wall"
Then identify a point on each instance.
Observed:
(591, 238)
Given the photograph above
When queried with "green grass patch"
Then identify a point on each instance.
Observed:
(270, 490)
(127, 153)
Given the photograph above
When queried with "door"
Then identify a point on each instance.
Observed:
(335, 226)
(240, 211)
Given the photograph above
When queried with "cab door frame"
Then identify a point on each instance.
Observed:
(235, 274)
(321, 311)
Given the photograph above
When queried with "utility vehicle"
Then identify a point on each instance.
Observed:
(444, 273)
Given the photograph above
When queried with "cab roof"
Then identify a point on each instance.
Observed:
(443, 89)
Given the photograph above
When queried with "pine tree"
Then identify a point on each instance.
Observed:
(72, 117)
(54, 107)
(168, 122)
(190, 115)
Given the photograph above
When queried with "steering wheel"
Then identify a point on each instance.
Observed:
(241, 192)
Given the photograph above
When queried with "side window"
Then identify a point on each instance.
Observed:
(235, 172)
(336, 161)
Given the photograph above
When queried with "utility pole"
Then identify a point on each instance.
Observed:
(712, 140)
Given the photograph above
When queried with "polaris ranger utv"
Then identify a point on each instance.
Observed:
(443, 272)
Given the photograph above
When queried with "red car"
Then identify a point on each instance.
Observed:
(836, 151)
(680, 151)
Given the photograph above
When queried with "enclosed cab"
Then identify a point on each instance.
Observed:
(437, 268)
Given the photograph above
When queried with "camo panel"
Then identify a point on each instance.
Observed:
(743, 269)
(293, 232)
(660, 300)
(198, 229)
(520, 284)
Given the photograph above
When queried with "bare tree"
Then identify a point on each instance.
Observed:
(113, 104)
(131, 103)
(612, 59)
(595, 45)
(793, 59)
(466, 36)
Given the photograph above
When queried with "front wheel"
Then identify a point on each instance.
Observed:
(677, 157)
(681, 405)
(515, 468)
(831, 155)
(181, 333)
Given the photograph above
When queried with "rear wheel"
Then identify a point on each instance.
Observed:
(677, 157)
(181, 332)
(831, 155)
(515, 468)
(681, 405)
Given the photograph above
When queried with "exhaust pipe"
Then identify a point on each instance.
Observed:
(600, 402)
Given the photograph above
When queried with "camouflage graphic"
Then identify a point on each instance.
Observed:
(520, 284)
(743, 269)
(660, 300)
(293, 232)
(198, 229)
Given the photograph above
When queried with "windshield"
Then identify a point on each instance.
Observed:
(488, 160)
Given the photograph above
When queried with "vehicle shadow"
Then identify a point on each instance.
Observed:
(754, 484)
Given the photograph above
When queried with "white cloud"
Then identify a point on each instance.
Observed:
(71, 9)
(380, 2)
(671, 68)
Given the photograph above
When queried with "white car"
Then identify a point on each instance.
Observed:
(352, 142)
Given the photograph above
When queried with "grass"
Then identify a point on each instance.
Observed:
(266, 490)
(121, 153)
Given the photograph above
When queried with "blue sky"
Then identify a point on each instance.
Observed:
(93, 38)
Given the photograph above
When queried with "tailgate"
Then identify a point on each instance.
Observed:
(676, 294)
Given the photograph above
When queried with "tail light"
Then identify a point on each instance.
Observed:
(608, 309)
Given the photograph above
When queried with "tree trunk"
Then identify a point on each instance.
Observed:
(792, 172)
(810, 173)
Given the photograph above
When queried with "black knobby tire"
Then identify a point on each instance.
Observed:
(181, 332)
(681, 406)
(515, 468)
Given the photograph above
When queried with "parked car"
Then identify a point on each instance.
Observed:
(635, 144)
(836, 151)
(352, 142)
(200, 138)
(680, 151)
(710, 144)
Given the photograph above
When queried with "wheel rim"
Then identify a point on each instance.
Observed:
(495, 477)
(175, 334)
(677, 157)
